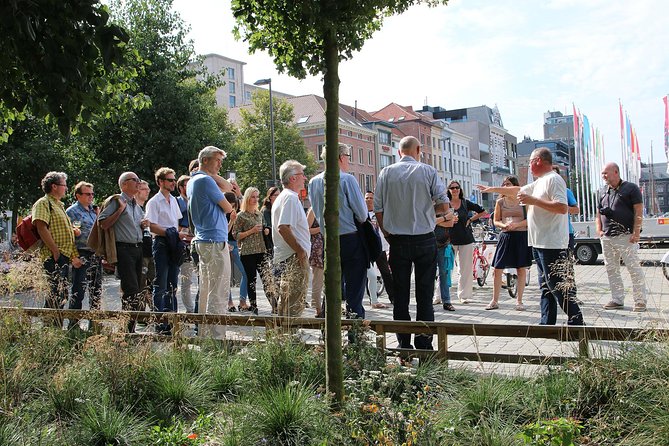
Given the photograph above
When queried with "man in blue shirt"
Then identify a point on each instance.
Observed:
(407, 195)
(208, 207)
(83, 215)
(351, 208)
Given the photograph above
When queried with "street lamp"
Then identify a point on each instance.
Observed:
(271, 124)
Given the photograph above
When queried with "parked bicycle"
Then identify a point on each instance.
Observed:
(480, 257)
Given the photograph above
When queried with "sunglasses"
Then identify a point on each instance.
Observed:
(171, 180)
(90, 194)
(454, 187)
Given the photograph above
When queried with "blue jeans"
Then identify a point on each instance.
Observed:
(89, 275)
(237, 261)
(552, 265)
(444, 274)
(353, 271)
(167, 277)
(419, 252)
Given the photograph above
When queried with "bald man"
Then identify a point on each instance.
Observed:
(618, 223)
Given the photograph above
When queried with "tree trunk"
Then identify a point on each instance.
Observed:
(334, 377)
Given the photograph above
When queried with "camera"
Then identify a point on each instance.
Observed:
(606, 212)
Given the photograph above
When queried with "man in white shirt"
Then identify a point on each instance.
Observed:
(548, 235)
(292, 241)
(163, 213)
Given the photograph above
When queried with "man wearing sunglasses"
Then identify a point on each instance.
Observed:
(89, 275)
(163, 213)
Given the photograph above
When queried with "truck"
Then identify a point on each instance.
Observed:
(654, 232)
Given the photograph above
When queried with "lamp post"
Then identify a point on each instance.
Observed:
(271, 124)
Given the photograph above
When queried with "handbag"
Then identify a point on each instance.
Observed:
(371, 241)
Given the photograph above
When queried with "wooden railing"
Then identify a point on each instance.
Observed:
(580, 335)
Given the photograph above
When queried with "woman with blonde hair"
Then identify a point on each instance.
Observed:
(249, 234)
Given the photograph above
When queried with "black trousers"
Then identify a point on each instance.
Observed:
(129, 267)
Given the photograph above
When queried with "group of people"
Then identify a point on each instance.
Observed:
(424, 227)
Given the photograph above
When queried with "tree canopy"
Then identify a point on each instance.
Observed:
(254, 164)
(64, 61)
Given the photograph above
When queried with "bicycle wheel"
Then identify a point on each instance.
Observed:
(485, 268)
(380, 286)
(512, 285)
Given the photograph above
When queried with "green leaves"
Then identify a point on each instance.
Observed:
(55, 57)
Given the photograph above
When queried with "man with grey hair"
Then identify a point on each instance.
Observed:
(408, 193)
(352, 210)
(292, 241)
(125, 217)
(618, 223)
(208, 206)
(55, 230)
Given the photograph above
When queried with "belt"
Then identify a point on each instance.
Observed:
(417, 237)
(134, 245)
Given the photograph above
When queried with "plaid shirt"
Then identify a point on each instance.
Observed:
(52, 212)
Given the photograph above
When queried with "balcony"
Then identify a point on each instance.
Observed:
(501, 170)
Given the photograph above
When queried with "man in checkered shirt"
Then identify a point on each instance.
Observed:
(57, 234)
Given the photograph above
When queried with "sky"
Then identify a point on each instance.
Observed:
(525, 56)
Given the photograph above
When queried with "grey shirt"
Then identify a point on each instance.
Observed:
(127, 227)
(406, 193)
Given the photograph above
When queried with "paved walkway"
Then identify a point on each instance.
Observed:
(593, 290)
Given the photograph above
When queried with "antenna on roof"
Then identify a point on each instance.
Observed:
(355, 109)
(425, 101)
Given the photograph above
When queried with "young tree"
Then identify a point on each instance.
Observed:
(313, 37)
(254, 165)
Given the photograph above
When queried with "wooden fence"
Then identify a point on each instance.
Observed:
(582, 336)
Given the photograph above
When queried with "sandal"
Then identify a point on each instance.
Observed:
(520, 307)
(379, 305)
(492, 306)
(232, 309)
(449, 307)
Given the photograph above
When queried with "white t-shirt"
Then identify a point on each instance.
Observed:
(547, 230)
(162, 213)
(287, 210)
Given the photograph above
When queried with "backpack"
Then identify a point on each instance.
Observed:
(27, 236)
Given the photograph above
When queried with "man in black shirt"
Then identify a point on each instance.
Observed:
(618, 222)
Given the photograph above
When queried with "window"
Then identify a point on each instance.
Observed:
(359, 135)
(385, 161)
(231, 87)
(320, 150)
(659, 188)
(434, 142)
(361, 156)
(362, 181)
(440, 168)
(349, 133)
(303, 119)
(232, 101)
(369, 180)
(320, 131)
(384, 138)
(247, 96)
(231, 73)
(370, 157)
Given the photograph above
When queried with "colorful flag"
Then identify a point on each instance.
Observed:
(666, 130)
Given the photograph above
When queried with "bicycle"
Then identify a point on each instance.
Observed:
(480, 262)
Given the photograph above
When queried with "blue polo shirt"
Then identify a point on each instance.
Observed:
(208, 217)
